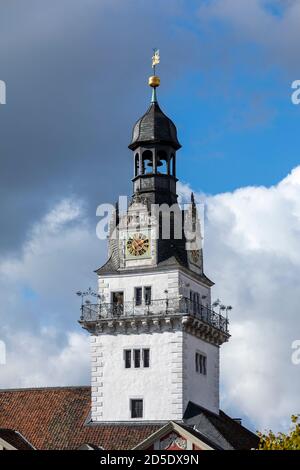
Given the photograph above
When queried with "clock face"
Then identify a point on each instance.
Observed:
(138, 245)
(195, 255)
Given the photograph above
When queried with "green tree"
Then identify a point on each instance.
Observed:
(281, 441)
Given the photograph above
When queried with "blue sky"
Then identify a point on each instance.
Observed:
(236, 119)
(230, 142)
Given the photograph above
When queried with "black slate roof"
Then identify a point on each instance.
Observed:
(154, 127)
(15, 439)
(171, 262)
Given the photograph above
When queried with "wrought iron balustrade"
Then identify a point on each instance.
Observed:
(161, 307)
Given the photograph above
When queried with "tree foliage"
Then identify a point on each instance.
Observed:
(281, 441)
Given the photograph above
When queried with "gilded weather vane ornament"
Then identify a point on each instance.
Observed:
(155, 59)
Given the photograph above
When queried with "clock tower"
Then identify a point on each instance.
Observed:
(155, 337)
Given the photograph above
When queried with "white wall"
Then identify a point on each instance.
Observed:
(127, 282)
(187, 283)
(200, 389)
(166, 386)
(171, 381)
(160, 385)
(174, 281)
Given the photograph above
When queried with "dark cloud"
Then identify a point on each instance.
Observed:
(76, 75)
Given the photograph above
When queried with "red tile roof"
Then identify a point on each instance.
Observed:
(54, 418)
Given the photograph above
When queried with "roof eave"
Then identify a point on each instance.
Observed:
(136, 144)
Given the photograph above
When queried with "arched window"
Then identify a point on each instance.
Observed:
(147, 162)
(173, 165)
(136, 164)
(162, 162)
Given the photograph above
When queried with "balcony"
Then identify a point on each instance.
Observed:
(156, 309)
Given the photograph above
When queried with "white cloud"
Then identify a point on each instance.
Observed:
(252, 253)
(39, 309)
(40, 359)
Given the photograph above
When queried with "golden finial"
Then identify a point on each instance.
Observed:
(154, 80)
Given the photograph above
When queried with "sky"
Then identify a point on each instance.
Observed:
(76, 76)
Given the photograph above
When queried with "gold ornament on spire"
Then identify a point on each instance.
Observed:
(155, 58)
(154, 80)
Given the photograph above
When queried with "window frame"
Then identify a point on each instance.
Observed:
(134, 399)
(144, 294)
(136, 350)
(124, 357)
(117, 291)
(143, 356)
(201, 363)
(135, 296)
(141, 362)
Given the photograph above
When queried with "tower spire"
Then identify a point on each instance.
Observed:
(154, 80)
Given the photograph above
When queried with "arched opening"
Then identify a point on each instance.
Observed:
(162, 162)
(147, 162)
(136, 164)
(173, 165)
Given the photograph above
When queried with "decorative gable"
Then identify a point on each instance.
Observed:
(175, 437)
(173, 441)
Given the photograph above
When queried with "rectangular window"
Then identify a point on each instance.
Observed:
(117, 298)
(198, 303)
(137, 358)
(138, 296)
(200, 364)
(146, 357)
(147, 295)
(127, 358)
(118, 303)
(136, 408)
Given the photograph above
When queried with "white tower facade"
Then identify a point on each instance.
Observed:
(155, 339)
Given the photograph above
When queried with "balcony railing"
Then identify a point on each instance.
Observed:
(154, 308)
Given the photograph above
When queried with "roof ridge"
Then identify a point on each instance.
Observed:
(233, 421)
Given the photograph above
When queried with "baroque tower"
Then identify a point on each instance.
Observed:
(155, 338)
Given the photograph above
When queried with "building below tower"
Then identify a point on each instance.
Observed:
(59, 418)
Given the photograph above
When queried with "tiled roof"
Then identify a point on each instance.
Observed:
(54, 418)
(15, 439)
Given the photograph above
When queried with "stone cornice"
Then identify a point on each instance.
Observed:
(159, 324)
